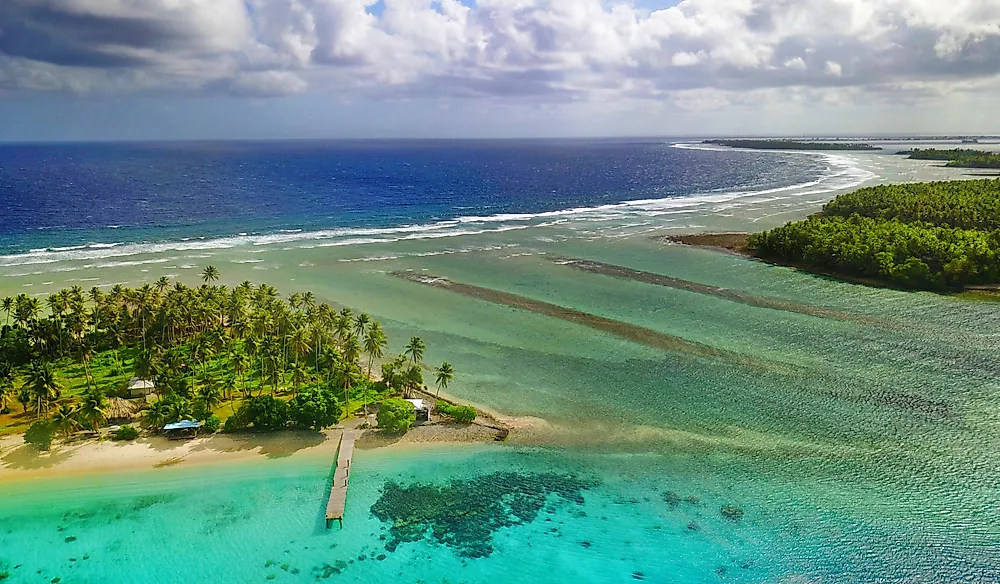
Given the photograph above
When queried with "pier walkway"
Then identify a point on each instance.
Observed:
(341, 474)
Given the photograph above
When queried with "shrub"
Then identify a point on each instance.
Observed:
(212, 424)
(238, 421)
(40, 434)
(315, 408)
(461, 414)
(265, 413)
(126, 433)
(396, 415)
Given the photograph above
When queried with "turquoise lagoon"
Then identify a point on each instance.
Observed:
(856, 428)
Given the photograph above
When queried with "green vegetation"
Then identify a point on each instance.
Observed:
(240, 355)
(461, 414)
(126, 433)
(792, 145)
(396, 415)
(958, 157)
(928, 236)
(315, 408)
(212, 424)
(40, 434)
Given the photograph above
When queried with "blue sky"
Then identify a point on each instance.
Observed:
(185, 69)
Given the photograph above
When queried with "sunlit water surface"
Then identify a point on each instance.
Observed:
(856, 429)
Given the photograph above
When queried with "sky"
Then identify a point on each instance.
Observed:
(217, 69)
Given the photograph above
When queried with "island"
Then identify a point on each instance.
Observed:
(957, 157)
(775, 144)
(939, 236)
(174, 360)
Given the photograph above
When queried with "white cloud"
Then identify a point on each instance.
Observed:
(543, 50)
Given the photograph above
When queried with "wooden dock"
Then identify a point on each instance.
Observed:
(341, 474)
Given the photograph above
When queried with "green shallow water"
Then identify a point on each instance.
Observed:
(860, 444)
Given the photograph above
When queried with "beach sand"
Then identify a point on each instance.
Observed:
(20, 461)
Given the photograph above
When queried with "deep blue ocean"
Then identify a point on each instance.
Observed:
(59, 195)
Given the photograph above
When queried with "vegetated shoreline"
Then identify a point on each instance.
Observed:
(737, 243)
(784, 144)
(81, 456)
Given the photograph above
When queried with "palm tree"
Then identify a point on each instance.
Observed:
(415, 349)
(65, 420)
(375, 343)
(444, 374)
(361, 323)
(86, 353)
(44, 386)
(156, 416)
(208, 396)
(300, 343)
(210, 274)
(24, 398)
(93, 408)
(299, 376)
(162, 284)
(8, 307)
(6, 386)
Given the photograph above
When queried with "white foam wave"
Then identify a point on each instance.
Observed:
(843, 173)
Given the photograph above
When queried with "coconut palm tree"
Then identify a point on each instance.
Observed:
(208, 397)
(443, 376)
(162, 284)
(93, 407)
(210, 274)
(375, 343)
(45, 387)
(24, 398)
(361, 324)
(8, 307)
(65, 419)
(299, 376)
(6, 386)
(415, 349)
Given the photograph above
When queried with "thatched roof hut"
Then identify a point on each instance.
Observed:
(120, 409)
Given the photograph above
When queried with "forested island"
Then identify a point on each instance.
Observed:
(241, 357)
(924, 236)
(957, 157)
(792, 145)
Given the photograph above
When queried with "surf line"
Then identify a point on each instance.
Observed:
(625, 273)
(629, 332)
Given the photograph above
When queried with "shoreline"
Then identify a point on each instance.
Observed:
(20, 461)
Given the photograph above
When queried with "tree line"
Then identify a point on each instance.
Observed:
(202, 346)
(957, 157)
(929, 236)
(792, 145)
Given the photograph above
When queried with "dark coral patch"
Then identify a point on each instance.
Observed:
(464, 515)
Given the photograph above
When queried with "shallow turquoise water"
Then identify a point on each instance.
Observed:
(246, 522)
(861, 446)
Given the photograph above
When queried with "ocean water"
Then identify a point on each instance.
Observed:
(855, 428)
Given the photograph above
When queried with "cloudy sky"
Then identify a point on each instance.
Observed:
(127, 69)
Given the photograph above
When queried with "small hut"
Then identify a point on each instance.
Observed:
(182, 430)
(422, 411)
(120, 411)
(140, 387)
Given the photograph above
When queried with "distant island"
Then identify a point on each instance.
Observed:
(792, 145)
(936, 236)
(957, 157)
